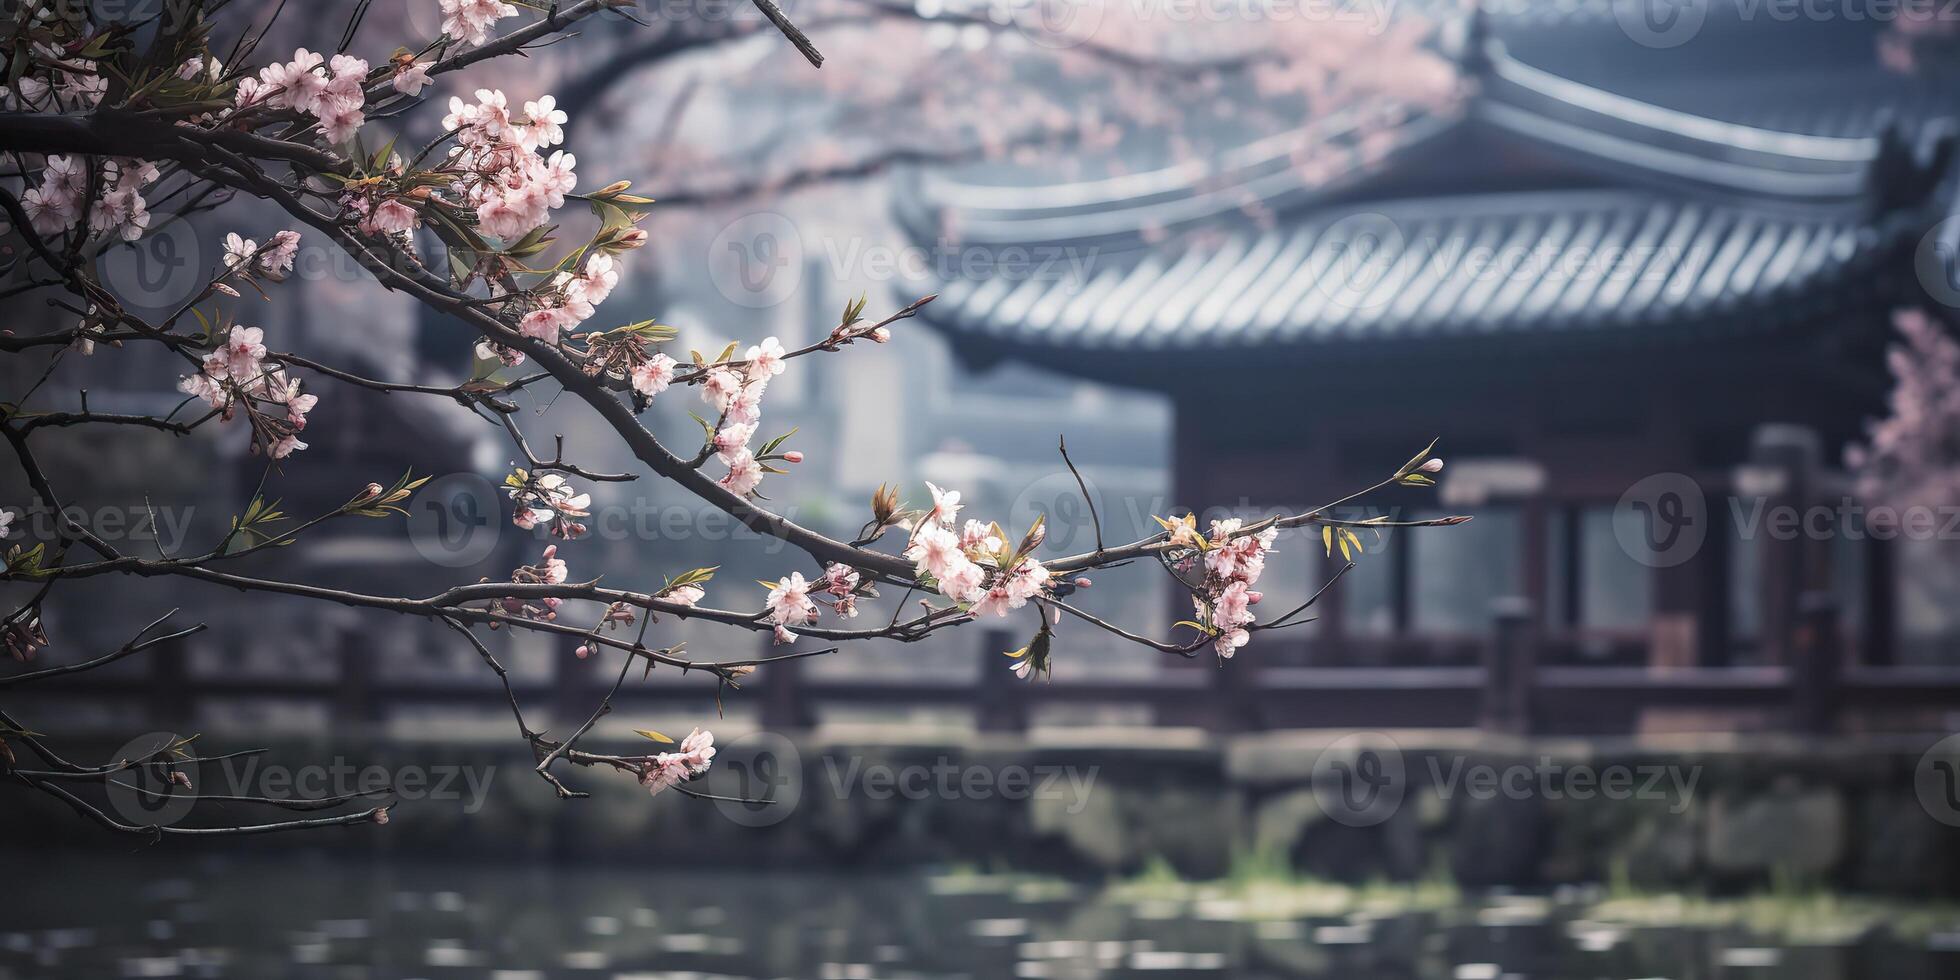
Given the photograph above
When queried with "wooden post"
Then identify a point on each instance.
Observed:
(169, 687)
(1234, 688)
(782, 707)
(1881, 574)
(1792, 452)
(354, 702)
(1001, 704)
(572, 697)
(1815, 665)
(1510, 667)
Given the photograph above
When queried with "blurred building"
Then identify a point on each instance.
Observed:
(1642, 293)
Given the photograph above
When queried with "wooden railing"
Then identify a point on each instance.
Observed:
(1510, 692)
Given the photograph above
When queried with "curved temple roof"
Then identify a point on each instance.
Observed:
(1659, 222)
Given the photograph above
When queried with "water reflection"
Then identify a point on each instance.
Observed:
(198, 917)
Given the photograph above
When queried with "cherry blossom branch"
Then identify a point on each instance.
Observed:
(135, 645)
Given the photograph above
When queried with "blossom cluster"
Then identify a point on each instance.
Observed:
(696, 753)
(735, 391)
(54, 83)
(571, 298)
(237, 374)
(469, 21)
(272, 260)
(550, 570)
(550, 500)
(1232, 562)
(497, 159)
(793, 601)
(332, 91)
(973, 565)
(117, 207)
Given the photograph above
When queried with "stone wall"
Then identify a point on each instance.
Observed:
(1710, 813)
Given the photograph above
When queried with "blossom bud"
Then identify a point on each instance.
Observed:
(180, 778)
(381, 816)
(1252, 598)
(582, 652)
(793, 456)
(373, 490)
(1083, 582)
(630, 239)
(880, 335)
(1433, 466)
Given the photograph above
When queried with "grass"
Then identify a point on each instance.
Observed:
(1792, 909)
(1264, 886)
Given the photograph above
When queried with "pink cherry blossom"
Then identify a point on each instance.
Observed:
(411, 78)
(963, 582)
(276, 256)
(49, 210)
(653, 375)
(744, 474)
(543, 124)
(789, 603)
(391, 217)
(553, 570)
(765, 360)
(839, 579)
(720, 387)
(1229, 642)
(238, 250)
(945, 505)
(241, 355)
(697, 751)
(935, 550)
(65, 173)
(546, 323)
(733, 439)
(666, 770)
(469, 21)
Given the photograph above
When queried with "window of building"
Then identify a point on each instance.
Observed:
(1592, 581)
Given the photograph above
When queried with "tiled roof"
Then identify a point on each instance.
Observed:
(1414, 269)
(1665, 222)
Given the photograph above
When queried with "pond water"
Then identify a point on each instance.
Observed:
(134, 915)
